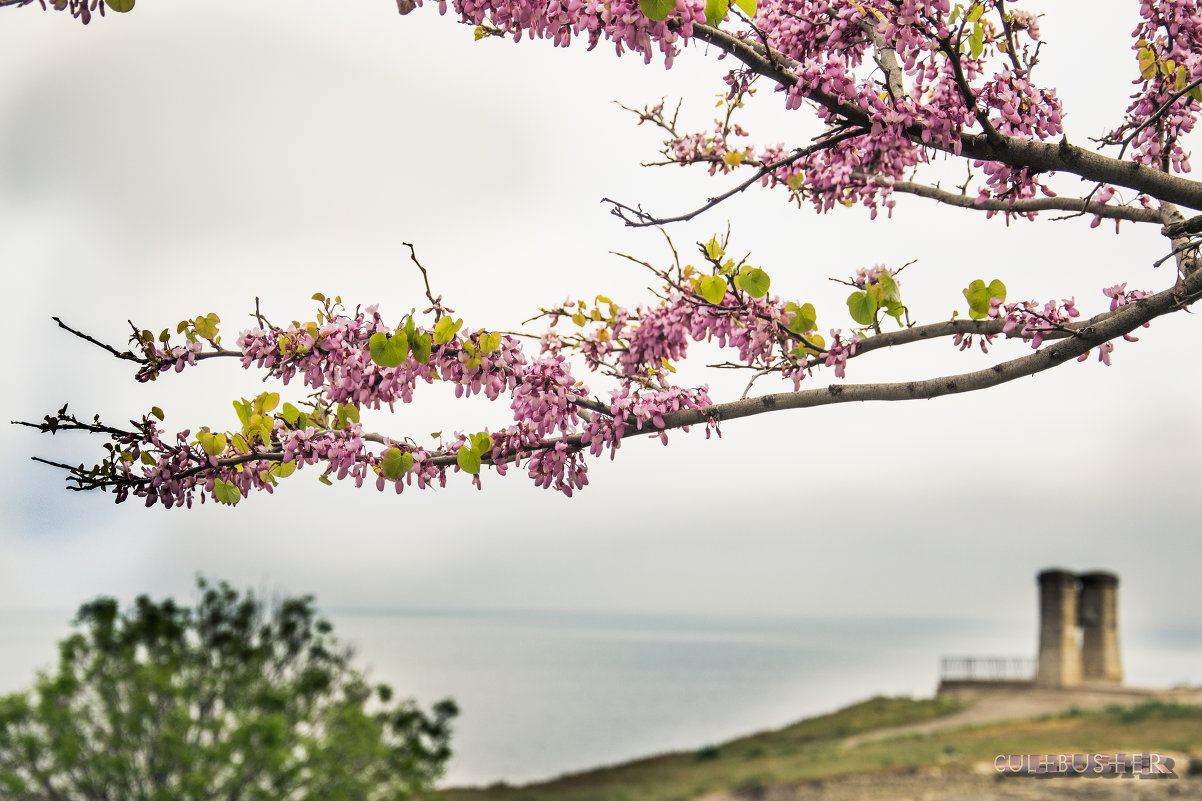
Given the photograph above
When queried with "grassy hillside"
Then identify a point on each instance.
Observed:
(814, 749)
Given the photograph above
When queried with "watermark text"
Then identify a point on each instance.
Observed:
(1142, 765)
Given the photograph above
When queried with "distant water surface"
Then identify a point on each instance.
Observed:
(547, 693)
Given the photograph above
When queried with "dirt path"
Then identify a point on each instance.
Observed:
(988, 705)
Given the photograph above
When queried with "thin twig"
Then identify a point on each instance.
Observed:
(435, 303)
(642, 219)
(1160, 112)
(126, 355)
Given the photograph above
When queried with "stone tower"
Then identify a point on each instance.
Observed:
(1078, 629)
(1098, 612)
(1059, 652)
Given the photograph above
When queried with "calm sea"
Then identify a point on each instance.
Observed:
(547, 693)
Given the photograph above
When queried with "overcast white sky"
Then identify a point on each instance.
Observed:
(188, 157)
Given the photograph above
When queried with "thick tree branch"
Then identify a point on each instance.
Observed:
(1037, 156)
(970, 101)
(960, 200)
(1185, 250)
(1123, 321)
(886, 59)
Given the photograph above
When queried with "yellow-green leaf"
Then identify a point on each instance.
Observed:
(396, 463)
(468, 460)
(226, 492)
(713, 250)
(753, 281)
(657, 10)
(445, 330)
(712, 288)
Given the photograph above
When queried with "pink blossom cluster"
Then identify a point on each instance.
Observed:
(180, 471)
(335, 359)
(546, 398)
(641, 405)
(559, 467)
(715, 148)
(595, 345)
(1019, 108)
(870, 275)
(1035, 323)
(342, 450)
(160, 358)
(1032, 322)
(804, 30)
(560, 21)
(748, 325)
(549, 432)
(839, 351)
(1119, 296)
(1025, 111)
(1168, 40)
(828, 50)
(161, 482)
(1026, 21)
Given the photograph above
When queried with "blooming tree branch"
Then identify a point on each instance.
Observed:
(894, 85)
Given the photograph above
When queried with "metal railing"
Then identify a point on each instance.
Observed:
(986, 668)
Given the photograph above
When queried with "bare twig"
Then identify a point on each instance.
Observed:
(1160, 112)
(637, 218)
(435, 302)
(126, 355)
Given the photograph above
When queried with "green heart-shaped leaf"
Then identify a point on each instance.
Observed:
(226, 492)
(805, 318)
(468, 460)
(862, 306)
(715, 11)
(490, 342)
(396, 463)
(712, 288)
(753, 281)
(206, 327)
(979, 296)
(242, 407)
(445, 330)
(481, 443)
(421, 348)
(657, 10)
(890, 291)
(290, 414)
(388, 351)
